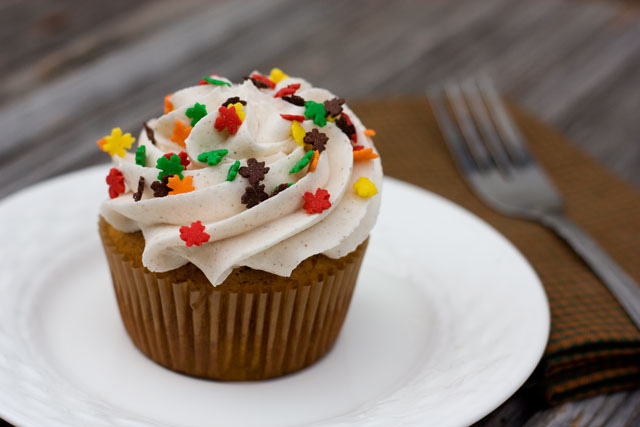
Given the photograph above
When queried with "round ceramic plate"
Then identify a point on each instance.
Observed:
(447, 321)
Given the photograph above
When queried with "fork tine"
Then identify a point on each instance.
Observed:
(487, 128)
(468, 128)
(511, 136)
(451, 135)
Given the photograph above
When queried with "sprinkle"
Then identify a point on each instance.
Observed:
(170, 166)
(196, 112)
(257, 83)
(194, 234)
(214, 82)
(318, 202)
(292, 117)
(102, 141)
(138, 194)
(334, 107)
(316, 111)
(180, 133)
(234, 100)
(214, 157)
(344, 124)
(277, 75)
(254, 171)
(254, 196)
(364, 154)
(150, 133)
(302, 162)
(203, 82)
(280, 188)
(298, 133)
(295, 100)
(314, 161)
(233, 171)
(239, 111)
(160, 188)
(184, 158)
(228, 119)
(289, 90)
(263, 79)
(115, 179)
(317, 139)
(369, 132)
(168, 105)
(358, 147)
(141, 156)
(116, 143)
(365, 188)
(180, 186)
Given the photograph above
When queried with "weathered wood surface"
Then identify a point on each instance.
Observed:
(70, 70)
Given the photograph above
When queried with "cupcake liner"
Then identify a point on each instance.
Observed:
(236, 333)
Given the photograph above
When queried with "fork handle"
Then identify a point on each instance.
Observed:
(619, 283)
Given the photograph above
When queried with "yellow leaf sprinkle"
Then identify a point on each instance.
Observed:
(298, 132)
(365, 188)
(277, 75)
(116, 144)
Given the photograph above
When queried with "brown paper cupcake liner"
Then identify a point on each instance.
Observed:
(232, 333)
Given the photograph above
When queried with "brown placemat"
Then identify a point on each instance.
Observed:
(593, 347)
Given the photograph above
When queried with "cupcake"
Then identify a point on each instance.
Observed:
(235, 230)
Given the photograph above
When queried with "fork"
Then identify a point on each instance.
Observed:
(492, 155)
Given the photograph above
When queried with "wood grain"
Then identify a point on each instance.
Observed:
(71, 70)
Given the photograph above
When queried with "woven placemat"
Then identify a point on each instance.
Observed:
(593, 347)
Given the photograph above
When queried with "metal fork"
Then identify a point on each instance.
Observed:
(493, 157)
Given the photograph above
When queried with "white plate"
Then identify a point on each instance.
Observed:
(447, 321)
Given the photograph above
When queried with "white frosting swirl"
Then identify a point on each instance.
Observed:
(277, 234)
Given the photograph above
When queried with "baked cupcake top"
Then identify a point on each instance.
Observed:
(263, 174)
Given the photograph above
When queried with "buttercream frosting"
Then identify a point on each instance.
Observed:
(276, 234)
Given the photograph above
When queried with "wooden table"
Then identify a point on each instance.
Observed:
(72, 69)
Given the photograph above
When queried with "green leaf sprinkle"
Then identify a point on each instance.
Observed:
(233, 171)
(141, 156)
(302, 162)
(316, 111)
(195, 113)
(216, 82)
(212, 158)
(170, 166)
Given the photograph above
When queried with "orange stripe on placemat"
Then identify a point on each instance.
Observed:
(585, 317)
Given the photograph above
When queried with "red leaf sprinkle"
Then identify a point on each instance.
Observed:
(194, 235)
(115, 179)
(289, 90)
(318, 202)
(292, 117)
(229, 119)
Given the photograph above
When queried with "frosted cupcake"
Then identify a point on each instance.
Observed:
(235, 231)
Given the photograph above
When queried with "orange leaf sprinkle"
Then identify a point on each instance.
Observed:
(101, 143)
(314, 160)
(180, 133)
(168, 105)
(364, 154)
(370, 132)
(180, 186)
